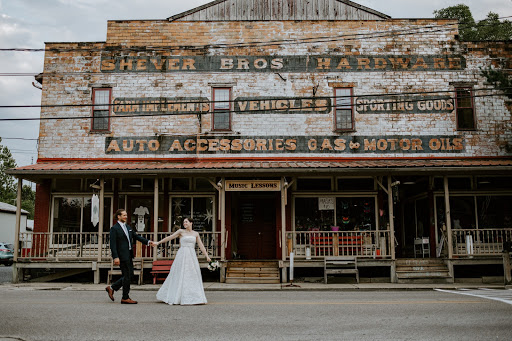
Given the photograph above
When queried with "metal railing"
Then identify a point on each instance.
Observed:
(480, 242)
(75, 246)
(319, 244)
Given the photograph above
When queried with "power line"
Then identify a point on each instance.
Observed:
(294, 110)
(17, 138)
(164, 100)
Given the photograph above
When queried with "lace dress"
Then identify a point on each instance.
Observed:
(184, 285)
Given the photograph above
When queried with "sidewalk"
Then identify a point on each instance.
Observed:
(214, 286)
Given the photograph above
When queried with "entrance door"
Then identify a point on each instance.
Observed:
(257, 227)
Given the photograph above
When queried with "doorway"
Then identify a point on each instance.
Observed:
(255, 219)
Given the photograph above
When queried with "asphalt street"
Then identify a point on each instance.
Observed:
(29, 314)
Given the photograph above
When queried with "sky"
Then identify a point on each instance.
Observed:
(31, 23)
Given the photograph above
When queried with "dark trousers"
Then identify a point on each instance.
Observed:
(126, 279)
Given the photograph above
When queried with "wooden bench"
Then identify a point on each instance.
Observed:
(138, 266)
(340, 265)
(160, 269)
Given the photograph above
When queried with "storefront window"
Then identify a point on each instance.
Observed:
(355, 214)
(73, 214)
(201, 209)
(308, 216)
(494, 212)
(463, 212)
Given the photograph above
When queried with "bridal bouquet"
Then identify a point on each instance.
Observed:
(213, 265)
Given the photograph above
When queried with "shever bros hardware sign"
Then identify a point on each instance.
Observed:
(182, 145)
(321, 63)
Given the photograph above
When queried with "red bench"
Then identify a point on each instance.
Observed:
(347, 245)
(161, 269)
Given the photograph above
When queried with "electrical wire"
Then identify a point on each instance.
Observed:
(275, 111)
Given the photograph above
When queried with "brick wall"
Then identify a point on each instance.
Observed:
(73, 138)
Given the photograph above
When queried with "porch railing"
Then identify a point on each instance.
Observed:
(480, 242)
(71, 246)
(319, 244)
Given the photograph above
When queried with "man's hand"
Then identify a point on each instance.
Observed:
(116, 261)
(151, 243)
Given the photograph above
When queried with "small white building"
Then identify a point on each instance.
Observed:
(8, 222)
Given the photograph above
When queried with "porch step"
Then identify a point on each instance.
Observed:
(264, 272)
(428, 271)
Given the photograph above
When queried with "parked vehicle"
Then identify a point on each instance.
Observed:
(6, 253)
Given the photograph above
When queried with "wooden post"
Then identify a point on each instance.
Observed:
(391, 219)
(155, 217)
(448, 218)
(100, 230)
(283, 228)
(15, 272)
(222, 203)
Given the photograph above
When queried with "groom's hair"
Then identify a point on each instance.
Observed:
(119, 212)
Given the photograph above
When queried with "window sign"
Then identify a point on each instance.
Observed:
(325, 204)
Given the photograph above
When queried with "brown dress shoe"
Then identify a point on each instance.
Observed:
(128, 301)
(110, 292)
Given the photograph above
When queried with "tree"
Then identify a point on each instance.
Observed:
(7, 182)
(491, 28)
(28, 199)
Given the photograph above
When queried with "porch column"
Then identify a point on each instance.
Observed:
(100, 230)
(448, 218)
(155, 217)
(282, 240)
(391, 220)
(222, 208)
(15, 272)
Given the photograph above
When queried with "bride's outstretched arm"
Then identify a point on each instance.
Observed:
(201, 247)
(169, 238)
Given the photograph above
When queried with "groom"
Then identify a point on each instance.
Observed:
(122, 239)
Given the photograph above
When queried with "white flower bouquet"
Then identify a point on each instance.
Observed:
(213, 265)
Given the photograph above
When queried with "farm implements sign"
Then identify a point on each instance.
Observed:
(181, 145)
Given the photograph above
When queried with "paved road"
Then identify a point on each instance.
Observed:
(5, 274)
(268, 315)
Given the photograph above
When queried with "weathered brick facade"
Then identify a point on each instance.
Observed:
(79, 69)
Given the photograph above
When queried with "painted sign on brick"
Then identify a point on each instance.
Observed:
(177, 145)
(404, 105)
(283, 105)
(322, 63)
(163, 105)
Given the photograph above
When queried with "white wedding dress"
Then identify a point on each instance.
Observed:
(184, 285)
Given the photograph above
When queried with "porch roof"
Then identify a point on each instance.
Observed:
(46, 167)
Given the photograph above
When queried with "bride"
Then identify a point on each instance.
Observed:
(184, 285)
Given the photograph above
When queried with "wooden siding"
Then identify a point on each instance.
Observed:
(264, 10)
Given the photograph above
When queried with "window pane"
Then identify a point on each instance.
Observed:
(221, 120)
(100, 120)
(343, 98)
(465, 118)
(494, 212)
(203, 214)
(101, 97)
(355, 214)
(66, 214)
(221, 95)
(343, 118)
(181, 208)
(309, 218)
(464, 99)
(463, 212)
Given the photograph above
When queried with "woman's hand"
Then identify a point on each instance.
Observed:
(208, 259)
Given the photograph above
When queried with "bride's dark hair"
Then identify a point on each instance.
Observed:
(189, 219)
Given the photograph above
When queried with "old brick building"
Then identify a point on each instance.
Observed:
(289, 126)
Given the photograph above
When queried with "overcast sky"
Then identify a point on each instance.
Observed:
(30, 23)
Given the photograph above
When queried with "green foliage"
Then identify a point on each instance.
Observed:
(7, 182)
(491, 28)
(500, 80)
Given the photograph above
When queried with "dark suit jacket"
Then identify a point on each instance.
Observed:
(119, 243)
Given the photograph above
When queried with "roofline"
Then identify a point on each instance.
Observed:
(215, 2)
(14, 212)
